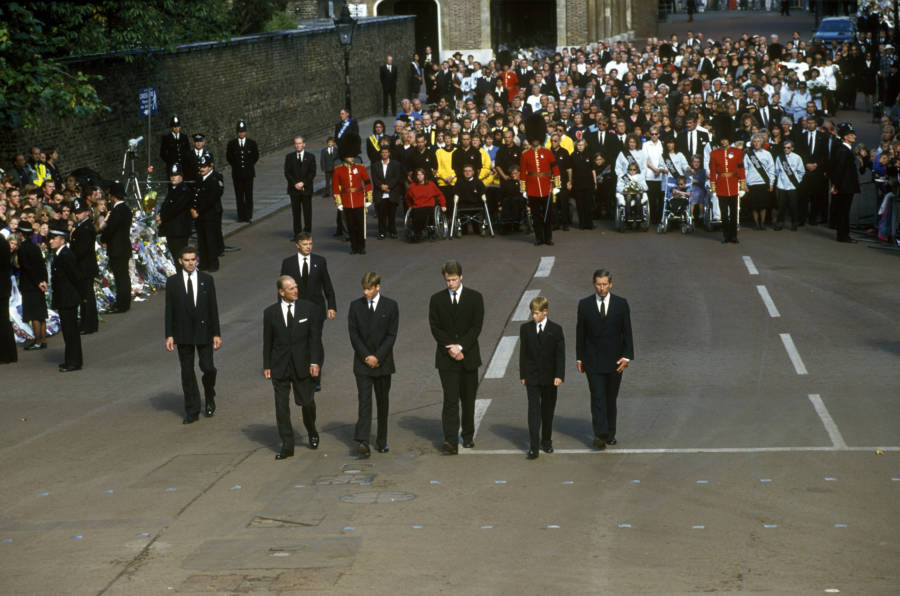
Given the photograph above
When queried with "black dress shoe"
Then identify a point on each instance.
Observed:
(362, 251)
(381, 236)
(382, 449)
(363, 449)
(284, 454)
(68, 368)
(34, 347)
(611, 441)
(599, 444)
(314, 441)
(449, 449)
(549, 242)
(210, 409)
(532, 454)
(547, 447)
(190, 419)
(468, 444)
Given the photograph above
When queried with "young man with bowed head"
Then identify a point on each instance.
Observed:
(192, 324)
(603, 349)
(456, 316)
(373, 321)
(542, 366)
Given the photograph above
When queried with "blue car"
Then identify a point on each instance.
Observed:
(839, 29)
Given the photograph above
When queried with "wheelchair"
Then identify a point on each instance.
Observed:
(634, 213)
(676, 210)
(470, 213)
(435, 229)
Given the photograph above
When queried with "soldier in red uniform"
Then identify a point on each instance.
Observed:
(726, 179)
(352, 190)
(539, 179)
(508, 76)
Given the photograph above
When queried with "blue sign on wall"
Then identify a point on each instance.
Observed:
(149, 102)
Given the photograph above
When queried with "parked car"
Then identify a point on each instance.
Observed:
(839, 29)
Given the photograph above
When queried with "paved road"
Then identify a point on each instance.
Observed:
(738, 468)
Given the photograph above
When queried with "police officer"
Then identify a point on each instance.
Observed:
(174, 147)
(174, 218)
(207, 212)
(242, 155)
(83, 244)
(65, 279)
(190, 167)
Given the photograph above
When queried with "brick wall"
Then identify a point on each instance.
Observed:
(577, 23)
(645, 18)
(283, 84)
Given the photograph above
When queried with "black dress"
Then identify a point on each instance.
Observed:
(32, 271)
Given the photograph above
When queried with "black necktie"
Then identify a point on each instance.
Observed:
(453, 297)
(602, 308)
(305, 273)
(540, 329)
(290, 317)
(190, 292)
(371, 306)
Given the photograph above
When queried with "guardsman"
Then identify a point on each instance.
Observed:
(508, 77)
(539, 179)
(352, 190)
(174, 217)
(65, 279)
(174, 147)
(207, 212)
(83, 244)
(242, 154)
(726, 180)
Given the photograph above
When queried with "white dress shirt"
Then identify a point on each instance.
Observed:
(193, 277)
(301, 259)
(373, 303)
(284, 310)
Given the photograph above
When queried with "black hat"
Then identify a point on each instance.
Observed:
(79, 205)
(116, 189)
(25, 227)
(176, 170)
(205, 160)
(59, 228)
(844, 129)
(504, 58)
(241, 126)
(174, 121)
(348, 145)
(535, 128)
(198, 137)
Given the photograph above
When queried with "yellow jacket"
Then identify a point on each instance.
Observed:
(565, 141)
(445, 166)
(486, 174)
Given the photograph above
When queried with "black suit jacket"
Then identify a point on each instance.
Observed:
(172, 151)
(352, 127)
(460, 324)
(844, 171)
(819, 155)
(395, 179)
(373, 334)
(388, 77)
(32, 267)
(318, 288)
(599, 343)
(186, 323)
(300, 346)
(84, 245)
(300, 171)
(541, 359)
(242, 159)
(175, 213)
(681, 143)
(116, 232)
(65, 279)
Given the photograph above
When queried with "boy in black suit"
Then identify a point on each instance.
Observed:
(542, 365)
(373, 320)
(192, 322)
(292, 351)
(65, 280)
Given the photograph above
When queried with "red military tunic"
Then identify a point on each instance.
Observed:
(539, 172)
(351, 185)
(726, 171)
(510, 83)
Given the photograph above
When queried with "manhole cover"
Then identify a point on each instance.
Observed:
(344, 479)
(377, 497)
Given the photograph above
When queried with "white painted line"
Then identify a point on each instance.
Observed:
(751, 268)
(687, 451)
(767, 300)
(545, 266)
(833, 432)
(523, 311)
(793, 354)
(481, 406)
(500, 360)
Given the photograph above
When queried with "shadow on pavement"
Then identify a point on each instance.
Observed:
(517, 435)
(426, 428)
(887, 345)
(266, 435)
(577, 428)
(169, 402)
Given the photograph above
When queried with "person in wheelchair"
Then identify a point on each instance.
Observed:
(421, 198)
(680, 195)
(631, 182)
(469, 194)
(511, 204)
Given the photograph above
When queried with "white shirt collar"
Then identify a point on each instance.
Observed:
(193, 277)
(458, 293)
(374, 301)
(605, 300)
(300, 258)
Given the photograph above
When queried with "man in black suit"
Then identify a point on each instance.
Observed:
(373, 321)
(603, 349)
(300, 173)
(242, 154)
(83, 245)
(174, 147)
(207, 212)
(192, 323)
(812, 145)
(388, 183)
(542, 366)
(65, 279)
(844, 181)
(292, 353)
(388, 75)
(456, 316)
(691, 142)
(174, 217)
(604, 141)
(345, 124)
(310, 272)
(116, 236)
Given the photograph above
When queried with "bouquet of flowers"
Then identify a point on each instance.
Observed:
(632, 188)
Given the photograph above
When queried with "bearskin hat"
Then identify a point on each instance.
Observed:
(349, 145)
(535, 129)
(504, 58)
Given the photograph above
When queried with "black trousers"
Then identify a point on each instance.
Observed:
(541, 405)
(175, 244)
(189, 376)
(88, 309)
(208, 241)
(301, 211)
(604, 391)
(382, 387)
(418, 219)
(8, 351)
(243, 194)
(356, 220)
(541, 218)
(655, 198)
(728, 209)
(816, 188)
(460, 387)
(842, 203)
(119, 267)
(385, 94)
(787, 204)
(220, 237)
(304, 396)
(68, 322)
(563, 218)
(584, 204)
(386, 210)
